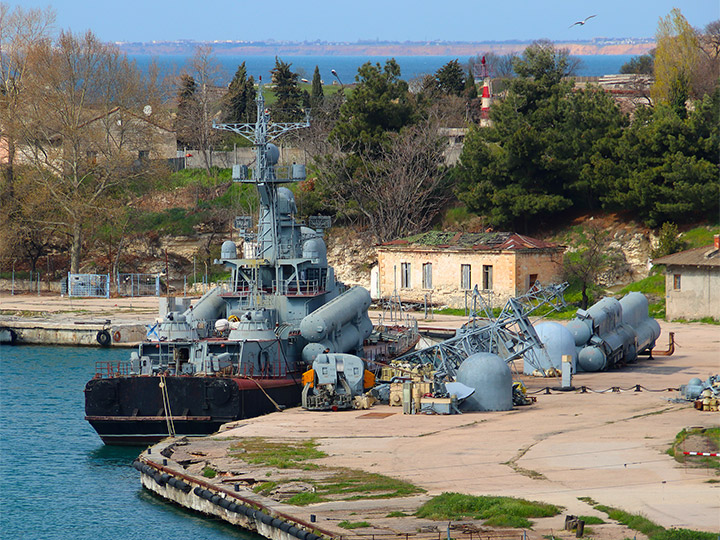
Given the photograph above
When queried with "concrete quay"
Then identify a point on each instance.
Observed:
(51, 319)
(608, 444)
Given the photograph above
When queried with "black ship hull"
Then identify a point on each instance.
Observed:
(129, 410)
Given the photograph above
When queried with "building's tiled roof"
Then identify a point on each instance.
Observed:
(702, 256)
(476, 241)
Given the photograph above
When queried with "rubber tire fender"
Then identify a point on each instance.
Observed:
(103, 338)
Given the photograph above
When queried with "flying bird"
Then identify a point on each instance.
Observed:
(583, 21)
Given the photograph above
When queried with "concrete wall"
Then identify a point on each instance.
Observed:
(699, 293)
(510, 272)
(242, 156)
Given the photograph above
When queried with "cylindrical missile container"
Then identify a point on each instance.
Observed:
(580, 331)
(341, 325)
(491, 378)
(558, 342)
(635, 313)
(332, 316)
(591, 358)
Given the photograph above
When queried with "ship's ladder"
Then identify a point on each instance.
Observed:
(166, 406)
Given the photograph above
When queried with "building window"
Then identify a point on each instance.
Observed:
(405, 275)
(465, 277)
(676, 282)
(427, 276)
(144, 154)
(487, 277)
(532, 280)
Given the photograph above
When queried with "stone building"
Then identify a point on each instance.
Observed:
(692, 282)
(447, 265)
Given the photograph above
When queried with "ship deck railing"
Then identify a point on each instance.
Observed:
(108, 370)
(303, 287)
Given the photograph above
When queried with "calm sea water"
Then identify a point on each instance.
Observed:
(57, 480)
(347, 66)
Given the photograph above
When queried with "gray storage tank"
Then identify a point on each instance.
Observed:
(491, 378)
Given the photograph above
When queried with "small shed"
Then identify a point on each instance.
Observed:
(692, 282)
(445, 266)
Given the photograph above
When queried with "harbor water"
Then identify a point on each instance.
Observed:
(347, 66)
(57, 479)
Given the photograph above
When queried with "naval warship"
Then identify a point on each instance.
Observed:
(240, 350)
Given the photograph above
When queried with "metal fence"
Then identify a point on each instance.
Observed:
(89, 285)
(138, 284)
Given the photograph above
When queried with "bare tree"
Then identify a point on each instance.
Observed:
(400, 191)
(20, 30)
(83, 127)
(589, 260)
(196, 116)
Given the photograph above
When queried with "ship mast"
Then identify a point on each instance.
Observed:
(264, 176)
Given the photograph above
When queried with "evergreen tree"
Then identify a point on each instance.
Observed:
(186, 110)
(316, 93)
(379, 103)
(535, 162)
(288, 104)
(470, 88)
(451, 78)
(240, 99)
(641, 65)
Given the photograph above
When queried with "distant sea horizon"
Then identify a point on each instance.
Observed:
(346, 67)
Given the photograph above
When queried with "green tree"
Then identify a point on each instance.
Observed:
(379, 103)
(239, 102)
(665, 166)
(668, 241)
(535, 160)
(317, 93)
(470, 88)
(186, 109)
(641, 65)
(676, 56)
(451, 78)
(288, 104)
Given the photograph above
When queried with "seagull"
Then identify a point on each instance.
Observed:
(583, 21)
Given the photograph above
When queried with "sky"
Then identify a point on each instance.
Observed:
(387, 20)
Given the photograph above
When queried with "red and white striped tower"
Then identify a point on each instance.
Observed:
(486, 95)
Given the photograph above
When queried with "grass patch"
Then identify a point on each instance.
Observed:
(711, 435)
(652, 530)
(353, 484)
(209, 472)
(588, 500)
(699, 236)
(265, 488)
(353, 524)
(283, 455)
(592, 520)
(397, 514)
(305, 498)
(330, 483)
(495, 511)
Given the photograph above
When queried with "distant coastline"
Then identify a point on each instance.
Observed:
(598, 46)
